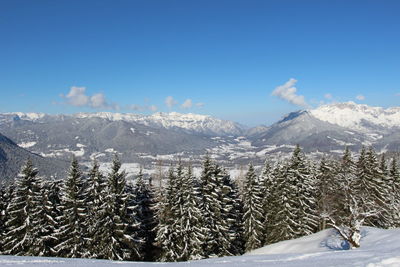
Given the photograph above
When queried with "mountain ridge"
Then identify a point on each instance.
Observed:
(146, 138)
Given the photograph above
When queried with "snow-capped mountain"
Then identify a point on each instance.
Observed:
(332, 127)
(358, 117)
(165, 136)
(193, 123)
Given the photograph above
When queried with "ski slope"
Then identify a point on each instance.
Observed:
(378, 248)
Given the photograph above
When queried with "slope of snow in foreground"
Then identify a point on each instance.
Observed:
(378, 248)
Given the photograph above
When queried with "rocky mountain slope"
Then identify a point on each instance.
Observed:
(12, 157)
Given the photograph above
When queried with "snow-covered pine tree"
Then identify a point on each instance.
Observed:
(217, 236)
(268, 185)
(234, 207)
(95, 197)
(72, 231)
(117, 224)
(45, 224)
(278, 224)
(300, 172)
(6, 192)
(165, 236)
(348, 213)
(20, 236)
(144, 209)
(231, 242)
(386, 185)
(394, 193)
(253, 211)
(373, 189)
(383, 165)
(188, 222)
(325, 188)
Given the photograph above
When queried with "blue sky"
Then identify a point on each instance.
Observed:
(221, 58)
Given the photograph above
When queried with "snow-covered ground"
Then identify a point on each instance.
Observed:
(378, 248)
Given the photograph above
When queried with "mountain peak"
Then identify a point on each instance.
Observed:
(358, 116)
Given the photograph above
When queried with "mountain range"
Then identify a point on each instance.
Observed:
(167, 136)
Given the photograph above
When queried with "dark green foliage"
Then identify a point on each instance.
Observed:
(295, 199)
(96, 195)
(268, 187)
(180, 233)
(5, 199)
(118, 226)
(215, 210)
(394, 194)
(326, 194)
(23, 214)
(253, 211)
(145, 211)
(104, 217)
(73, 231)
(371, 186)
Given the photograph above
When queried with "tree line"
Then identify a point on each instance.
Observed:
(96, 215)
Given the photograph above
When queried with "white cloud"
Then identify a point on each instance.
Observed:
(170, 101)
(360, 97)
(77, 97)
(200, 105)
(287, 92)
(328, 96)
(187, 104)
(98, 101)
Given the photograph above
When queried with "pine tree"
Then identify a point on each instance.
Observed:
(117, 224)
(96, 194)
(295, 199)
(350, 210)
(165, 236)
(6, 193)
(253, 211)
(276, 226)
(20, 237)
(145, 204)
(268, 185)
(301, 173)
(188, 223)
(371, 186)
(394, 193)
(325, 188)
(234, 214)
(231, 242)
(218, 238)
(72, 231)
(45, 224)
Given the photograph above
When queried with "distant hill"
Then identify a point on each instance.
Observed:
(12, 157)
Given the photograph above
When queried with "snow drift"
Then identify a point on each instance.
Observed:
(378, 248)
